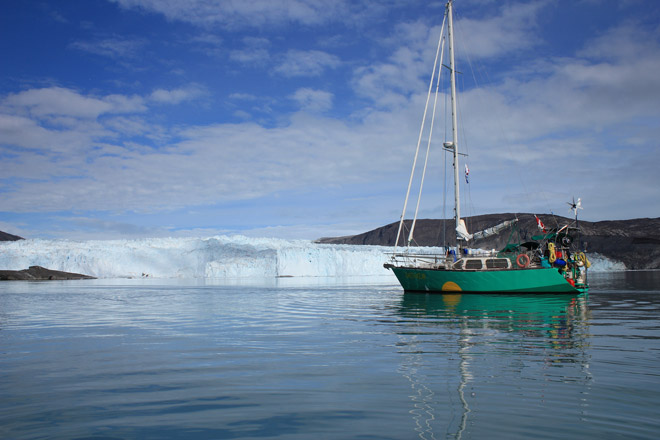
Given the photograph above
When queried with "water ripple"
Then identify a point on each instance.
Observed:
(88, 360)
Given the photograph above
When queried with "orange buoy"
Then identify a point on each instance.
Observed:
(522, 261)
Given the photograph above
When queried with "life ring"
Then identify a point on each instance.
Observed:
(522, 261)
(551, 250)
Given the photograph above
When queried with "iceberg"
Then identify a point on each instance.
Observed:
(213, 257)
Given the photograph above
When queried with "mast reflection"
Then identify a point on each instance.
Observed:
(457, 341)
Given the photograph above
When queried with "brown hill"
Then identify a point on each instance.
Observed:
(634, 242)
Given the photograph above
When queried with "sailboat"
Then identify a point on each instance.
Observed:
(551, 262)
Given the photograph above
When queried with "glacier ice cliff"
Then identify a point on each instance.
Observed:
(212, 257)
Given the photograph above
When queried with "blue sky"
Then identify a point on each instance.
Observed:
(299, 119)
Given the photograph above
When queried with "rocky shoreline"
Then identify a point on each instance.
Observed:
(38, 273)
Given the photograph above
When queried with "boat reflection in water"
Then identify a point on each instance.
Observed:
(477, 362)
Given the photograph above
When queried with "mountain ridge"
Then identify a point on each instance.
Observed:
(9, 237)
(634, 242)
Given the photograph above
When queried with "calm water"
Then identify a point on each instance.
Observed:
(141, 360)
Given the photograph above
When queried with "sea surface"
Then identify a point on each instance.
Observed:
(327, 359)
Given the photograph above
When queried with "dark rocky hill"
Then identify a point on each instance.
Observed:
(8, 237)
(634, 242)
(38, 273)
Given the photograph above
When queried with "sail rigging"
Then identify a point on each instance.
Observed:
(450, 146)
(437, 64)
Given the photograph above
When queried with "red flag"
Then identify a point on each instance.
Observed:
(540, 224)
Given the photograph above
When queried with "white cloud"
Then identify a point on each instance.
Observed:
(512, 30)
(629, 40)
(130, 126)
(58, 101)
(20, 131)
(391, 82)
(211, 164)
(252, 55)
(176, 96)
(313, 100)
(93, 225)
(413, 48)
(256, 13)
(23, 132)
(208, 39)
(254, 51)
(562, 119)
(242, 114)
(56, 120)
(115, 47)
(243, 97)
(125, 104)
(306, 63)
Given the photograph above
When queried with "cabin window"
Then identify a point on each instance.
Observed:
(473, 264)
(458, 264)
(497, 263)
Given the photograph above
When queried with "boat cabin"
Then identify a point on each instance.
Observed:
(481, 263)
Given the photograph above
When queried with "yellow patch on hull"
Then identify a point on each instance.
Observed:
(451, 286)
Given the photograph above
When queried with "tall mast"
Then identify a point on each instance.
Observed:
(454, 125)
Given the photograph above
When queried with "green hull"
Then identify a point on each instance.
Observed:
(543, 280)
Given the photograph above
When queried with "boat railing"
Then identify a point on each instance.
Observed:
(435, 260)
(429, 260)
